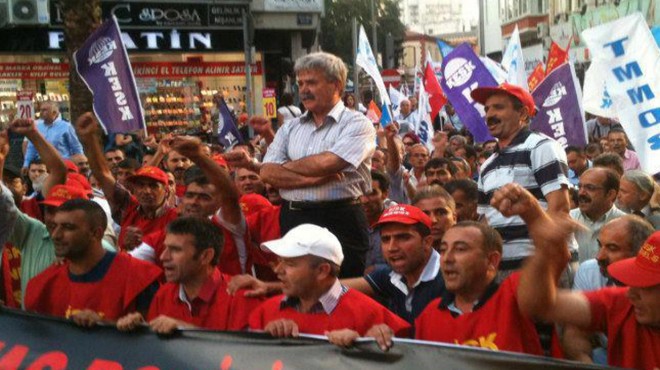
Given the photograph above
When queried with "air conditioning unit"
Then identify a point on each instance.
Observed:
(543, 30)
(28, 12)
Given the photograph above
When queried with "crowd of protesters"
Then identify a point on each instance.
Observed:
(328, 223)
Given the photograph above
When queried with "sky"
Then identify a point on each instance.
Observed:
(470, 10)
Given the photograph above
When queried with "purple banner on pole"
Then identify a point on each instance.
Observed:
(560, 114)
(102, 63)
(228, 134)
(463, 72)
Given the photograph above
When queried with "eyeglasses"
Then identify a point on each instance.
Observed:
(589, 187)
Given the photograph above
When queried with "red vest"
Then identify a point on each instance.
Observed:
(133, 217)
(11, 276)
(354, 311)
(53, 293)
(629, 343)
(264, 226)
(497, 325)
(219, 310)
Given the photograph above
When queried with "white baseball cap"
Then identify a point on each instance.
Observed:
(307, 239)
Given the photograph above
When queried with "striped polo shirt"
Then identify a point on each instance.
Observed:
(345, 133)
(536, 162)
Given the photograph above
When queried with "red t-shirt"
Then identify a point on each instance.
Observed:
(30, 207)
(497, 325)
(11, 276)
(52, 292)
(263, 226)
(354, 311)
(629, 343)
(213, 308)
(133, 217)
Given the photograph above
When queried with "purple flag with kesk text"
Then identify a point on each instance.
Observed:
(228, 134)
(463, 72)
(102, 63)
(560, 114)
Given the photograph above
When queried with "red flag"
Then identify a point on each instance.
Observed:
(436, 97)
(536, 77)
(556, 57)
(373, 112)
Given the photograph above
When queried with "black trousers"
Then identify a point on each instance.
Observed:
(347, 222)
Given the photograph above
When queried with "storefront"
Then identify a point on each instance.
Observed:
(182, 55)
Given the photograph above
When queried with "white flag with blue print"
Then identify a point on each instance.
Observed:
(366, 60)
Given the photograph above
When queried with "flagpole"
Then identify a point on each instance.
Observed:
(356, 72)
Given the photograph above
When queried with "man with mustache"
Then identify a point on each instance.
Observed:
(619, 239)
(597, 191)
(321, 160)
(533, 160)
(439, 171)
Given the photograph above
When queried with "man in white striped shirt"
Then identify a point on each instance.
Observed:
(533, 160)
(321, 161)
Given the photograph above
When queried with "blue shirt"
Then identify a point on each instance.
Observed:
(409, 304)
(61, 135)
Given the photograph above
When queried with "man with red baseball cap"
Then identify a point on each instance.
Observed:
(530, 159)
(629, 315)
(139, 213)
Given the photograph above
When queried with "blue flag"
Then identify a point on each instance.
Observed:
(445, 49)
(103, 65)
(228, 134)
(385, 116)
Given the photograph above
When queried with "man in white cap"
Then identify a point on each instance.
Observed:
(314, 301)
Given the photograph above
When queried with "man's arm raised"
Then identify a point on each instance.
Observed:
(538, 294)
(87, 129)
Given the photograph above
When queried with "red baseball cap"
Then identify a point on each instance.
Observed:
(252, 203)
(150, 172)
(404, 214)
(481, 94)
(71, 166)
(59, 194)
(78, 180)
(642, 271)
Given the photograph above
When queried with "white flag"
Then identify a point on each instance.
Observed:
(495, 69)
(631, 60)
(514, 62)
(596, 99)
(424, 127)
(366, 60)
(396, 97)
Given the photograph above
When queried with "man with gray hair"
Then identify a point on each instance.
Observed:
(57, 131)
(406, 119)
(635, 193)
(321, 160)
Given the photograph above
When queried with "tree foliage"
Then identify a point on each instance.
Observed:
(336, 26)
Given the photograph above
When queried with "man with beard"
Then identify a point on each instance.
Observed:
(440, 207)
(139, 213)
(619, 144)
(532, 160)
(597, 191)
(92, 284)
(619, 239)
(439, 171)
(320, 161)
(178, 164)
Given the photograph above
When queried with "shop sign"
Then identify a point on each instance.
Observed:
(269, 103)
(51, 71)
(33, 71)
(151, 15)
(25, 104)
(151, 40)
(293, 5)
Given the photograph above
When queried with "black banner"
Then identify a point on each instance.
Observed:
(185, 14)
(35, 342)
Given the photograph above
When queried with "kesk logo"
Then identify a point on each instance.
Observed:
(458, 71)
(101, 50)
(558, 91)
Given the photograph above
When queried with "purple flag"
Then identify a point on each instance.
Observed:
(103, 65)
(228, 134)
(463, 72)
(560, 114)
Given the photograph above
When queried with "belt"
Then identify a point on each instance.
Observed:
(297, 206)
(516, 264)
